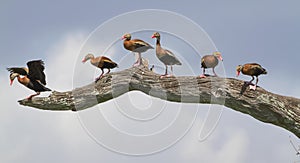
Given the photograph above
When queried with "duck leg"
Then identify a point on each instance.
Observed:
(250, 82)
(30, 97)
(169, 75)
(139, 60)
(135, 57)
(214, 71)
(96, 80)
(254, 87)
(203, 74)
(108, 71)
(166, 72)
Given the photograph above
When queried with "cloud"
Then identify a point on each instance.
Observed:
(62, 59)
(221, 146)
(30, 135)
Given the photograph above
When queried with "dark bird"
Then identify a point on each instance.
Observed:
(251, 69)
(33, 77)
(136, 45)
(210, 61)
(164, 55)
(152, 68)
(101, 62)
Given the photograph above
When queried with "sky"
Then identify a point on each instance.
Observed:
(62, 32)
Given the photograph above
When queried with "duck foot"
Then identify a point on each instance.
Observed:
(252, 87)
(97, 79)
(136, 64)
(202, 76)
(31, 96)
(165, 76)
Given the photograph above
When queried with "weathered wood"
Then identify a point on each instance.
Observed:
(265, 106)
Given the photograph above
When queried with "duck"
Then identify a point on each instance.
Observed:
(165, 56)
(251, 69)
(101, 62)
(33, 78)
(210, 61)
(136, 45)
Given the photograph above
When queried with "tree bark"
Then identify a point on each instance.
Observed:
(265, 106)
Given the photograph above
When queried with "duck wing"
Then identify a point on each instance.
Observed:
(253, 69)
(19, 70)
(36, 71)
(258, 69)
(108, 63)
(172, 57)
(140, 43)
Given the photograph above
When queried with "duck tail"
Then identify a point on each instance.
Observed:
(47, 89)
(264, 71)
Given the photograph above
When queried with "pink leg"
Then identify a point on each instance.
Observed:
(254, 87)
(31, 96)
(99, 76)
(172, 73)
(135, 64)
(203, 74)
(214, 71)
(139, 61)
(166, 72)
(108, 71)
(250, 82)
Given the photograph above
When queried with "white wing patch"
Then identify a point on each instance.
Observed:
(140, 43)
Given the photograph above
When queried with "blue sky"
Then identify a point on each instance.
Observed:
(266, 32)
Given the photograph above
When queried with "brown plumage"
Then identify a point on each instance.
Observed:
(164, 55)
(210, 61)
(136, 45)
(33, 76)
(251, 69)
(101, 62)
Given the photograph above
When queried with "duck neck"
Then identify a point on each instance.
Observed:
(128, 39)
(93, 61)
(20, 80)
(158, 41)
(23, 80)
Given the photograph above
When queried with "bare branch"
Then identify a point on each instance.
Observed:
(265, 106)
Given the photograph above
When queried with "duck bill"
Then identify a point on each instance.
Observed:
(238, 73)
(83, 61)
(220, 58)
(152, 36)
(11, 82)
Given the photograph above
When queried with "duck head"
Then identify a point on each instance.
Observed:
(87, 57)
(218, 55)
(155, 35)
(238, 70)
(12, 77)
(126, 36)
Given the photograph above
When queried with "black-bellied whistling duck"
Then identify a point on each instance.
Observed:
(210, 61)
(164, 55)
(33, 77)
(101, 62)
(136, 45)
(251, 69)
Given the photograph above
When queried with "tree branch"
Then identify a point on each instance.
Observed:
(265, 106)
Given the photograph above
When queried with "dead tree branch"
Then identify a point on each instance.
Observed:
(265, 106)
